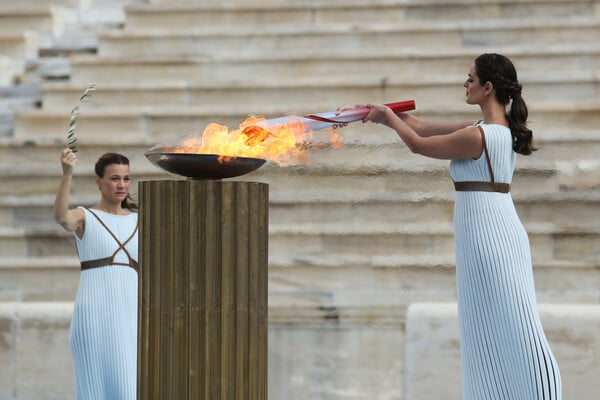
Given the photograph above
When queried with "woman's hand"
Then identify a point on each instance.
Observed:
(68, 159)
(377, 112)
(346, 107)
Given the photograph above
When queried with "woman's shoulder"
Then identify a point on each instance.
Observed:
(493, 128)
(497, 136)
(81, 210)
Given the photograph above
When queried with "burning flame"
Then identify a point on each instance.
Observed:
(286, 144)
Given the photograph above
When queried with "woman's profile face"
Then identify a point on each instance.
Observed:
(474, 91)
(114, 185)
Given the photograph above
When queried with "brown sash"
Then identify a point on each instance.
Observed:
(103, 262)
(477, 186)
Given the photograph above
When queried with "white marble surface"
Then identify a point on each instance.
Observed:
(432, 363)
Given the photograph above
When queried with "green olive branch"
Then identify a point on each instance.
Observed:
(71, 137)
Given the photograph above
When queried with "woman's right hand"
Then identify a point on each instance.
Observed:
(68, 159)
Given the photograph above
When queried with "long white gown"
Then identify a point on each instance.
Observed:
(504, 351)
(103, 334)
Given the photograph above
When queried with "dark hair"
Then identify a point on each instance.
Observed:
(500, 72)
(107, 159)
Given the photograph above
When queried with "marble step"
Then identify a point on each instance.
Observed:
(15, 97)
(358, 182)
(562, 210)
(18, 97)
(47, 68)
(327, 172)
(6, 123)
(354, 347)
(549, 242)
(39, 278)
(194, 15)
(372, 40)
(316, 182)
(35, 333)
(169, 124)
(304, 93)
(11, 95)
(19, 45)
(46, 154)
(40, 183)
(18, 242)
(303, 280)
(11, 70)
(490, 6)
(336, 281)
(28, 5)
(19, 20)
(576, 209)
(232, 67)
(360, 141)
(432, 358)
(83, 42)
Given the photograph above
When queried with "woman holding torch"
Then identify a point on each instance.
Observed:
(504, 351)
(103, 334)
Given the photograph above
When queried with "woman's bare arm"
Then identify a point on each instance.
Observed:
(425, 128)
(422, 127)
(71, 220)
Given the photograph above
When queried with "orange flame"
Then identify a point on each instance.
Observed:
(285, 144)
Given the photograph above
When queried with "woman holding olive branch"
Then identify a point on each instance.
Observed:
(103, 333)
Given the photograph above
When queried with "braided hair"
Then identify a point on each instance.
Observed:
(109, 159)
(500, 72)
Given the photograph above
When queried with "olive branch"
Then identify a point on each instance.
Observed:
(71, 137)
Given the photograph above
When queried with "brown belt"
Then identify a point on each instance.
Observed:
(481, 187)
(103, 262)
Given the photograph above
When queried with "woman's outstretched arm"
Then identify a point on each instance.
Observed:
(426, 128)
(444, 143)
(422, 127)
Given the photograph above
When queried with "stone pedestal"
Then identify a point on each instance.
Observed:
(203, 290)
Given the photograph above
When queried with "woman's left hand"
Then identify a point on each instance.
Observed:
(377, 112)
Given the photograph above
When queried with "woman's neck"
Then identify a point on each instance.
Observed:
(494, 113)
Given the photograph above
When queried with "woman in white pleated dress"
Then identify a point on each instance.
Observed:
(103, 335)
(504, 351)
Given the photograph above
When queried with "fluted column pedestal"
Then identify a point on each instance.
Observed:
(202, 330)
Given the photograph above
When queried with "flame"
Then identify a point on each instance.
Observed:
(286, 144)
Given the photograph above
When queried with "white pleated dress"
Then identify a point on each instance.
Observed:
(504, 351)
(103, 335)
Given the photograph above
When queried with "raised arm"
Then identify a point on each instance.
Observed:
(72, 220)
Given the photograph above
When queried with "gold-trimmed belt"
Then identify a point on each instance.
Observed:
(475, 186)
